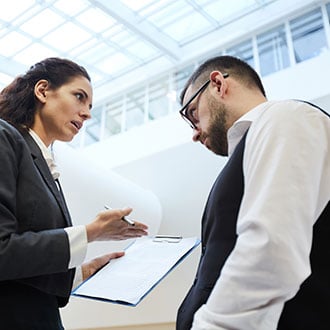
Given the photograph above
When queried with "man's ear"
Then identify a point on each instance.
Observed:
(40, 90)
(218, 81)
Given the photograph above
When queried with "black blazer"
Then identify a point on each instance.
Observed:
(34, 248)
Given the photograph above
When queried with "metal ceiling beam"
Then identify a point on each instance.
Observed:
(145, 30)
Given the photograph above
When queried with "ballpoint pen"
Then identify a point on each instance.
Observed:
(129, 221)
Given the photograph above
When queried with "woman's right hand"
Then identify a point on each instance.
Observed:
(109, 225)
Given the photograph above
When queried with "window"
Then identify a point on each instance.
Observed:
(158, 98)
(135, 104)
(113, 116)
(308, 35)
(273, 51)
(92, 130)
(244, 51)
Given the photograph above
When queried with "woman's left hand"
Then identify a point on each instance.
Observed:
(91, 267)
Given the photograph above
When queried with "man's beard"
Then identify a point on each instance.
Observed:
(217, 131)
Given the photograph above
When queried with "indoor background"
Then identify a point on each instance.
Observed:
(139, 54)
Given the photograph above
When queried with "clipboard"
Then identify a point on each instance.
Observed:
(129, 279)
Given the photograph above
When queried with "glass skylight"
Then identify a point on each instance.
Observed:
(112, 39)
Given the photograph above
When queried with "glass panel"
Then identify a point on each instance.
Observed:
(180, 78)
(100, 20)
(91, 134)
(145, 5)
(12, 43)
(158, 99)
(135, 108)
(161, 13)
(328, 10)
(5, 80)
(141, 49)
(95, 52)
(128, 42)
(273, 50)
(113, 117)
(179, 20)
(93, 127)
(74, 36)
(189, 25)
(46, 19)
(12, 9)
(34, 53)
(308, 30)
(244, 51)
(114, 63)
(71, 8)
(224, 11)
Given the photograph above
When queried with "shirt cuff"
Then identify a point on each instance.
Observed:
(78, 245)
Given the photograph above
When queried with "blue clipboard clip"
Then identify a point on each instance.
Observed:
(167, 239)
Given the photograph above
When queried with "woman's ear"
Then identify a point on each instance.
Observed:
(40, 90)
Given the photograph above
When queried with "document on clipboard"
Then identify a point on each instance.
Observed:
(127, 280)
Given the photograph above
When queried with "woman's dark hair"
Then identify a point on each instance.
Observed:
(17, 100)
(235, 67)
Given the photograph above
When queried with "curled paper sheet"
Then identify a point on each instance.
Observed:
(88, 187)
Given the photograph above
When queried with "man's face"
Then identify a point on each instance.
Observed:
(216, 132)
(210, 121)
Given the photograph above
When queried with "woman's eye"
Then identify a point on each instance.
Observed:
(79, 96)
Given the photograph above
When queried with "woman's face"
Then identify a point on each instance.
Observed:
(61, 112)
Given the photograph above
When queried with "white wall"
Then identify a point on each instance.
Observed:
(156, 173)
(160, 158)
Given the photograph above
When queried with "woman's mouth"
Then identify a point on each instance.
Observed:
(76, 124)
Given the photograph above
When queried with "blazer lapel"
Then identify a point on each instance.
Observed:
(44, 171)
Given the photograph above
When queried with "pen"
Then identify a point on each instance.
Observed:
(167, 238)
(130, 222)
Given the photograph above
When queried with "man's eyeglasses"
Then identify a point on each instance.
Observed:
(187, 115)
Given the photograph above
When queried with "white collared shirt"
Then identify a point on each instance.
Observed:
(77, 235)
(286, 187)
(46, 154)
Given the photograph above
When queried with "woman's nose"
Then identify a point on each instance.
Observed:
(86, 113)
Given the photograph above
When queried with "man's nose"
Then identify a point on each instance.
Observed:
(196, 134)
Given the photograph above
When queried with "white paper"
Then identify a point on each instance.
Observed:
(102, 186)
(128, 279)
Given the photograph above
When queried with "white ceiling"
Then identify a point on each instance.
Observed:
(113, 39)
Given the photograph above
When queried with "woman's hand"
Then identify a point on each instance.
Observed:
(91, 267)
(109, 225)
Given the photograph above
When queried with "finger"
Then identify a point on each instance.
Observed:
(136, 228)
(140, 225)
(106, 258)
(136, 233)
(126, 211)
(117, 213)
(115, 255)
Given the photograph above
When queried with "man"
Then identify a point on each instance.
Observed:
(265, 261)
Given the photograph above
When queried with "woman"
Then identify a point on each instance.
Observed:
(39, 249)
